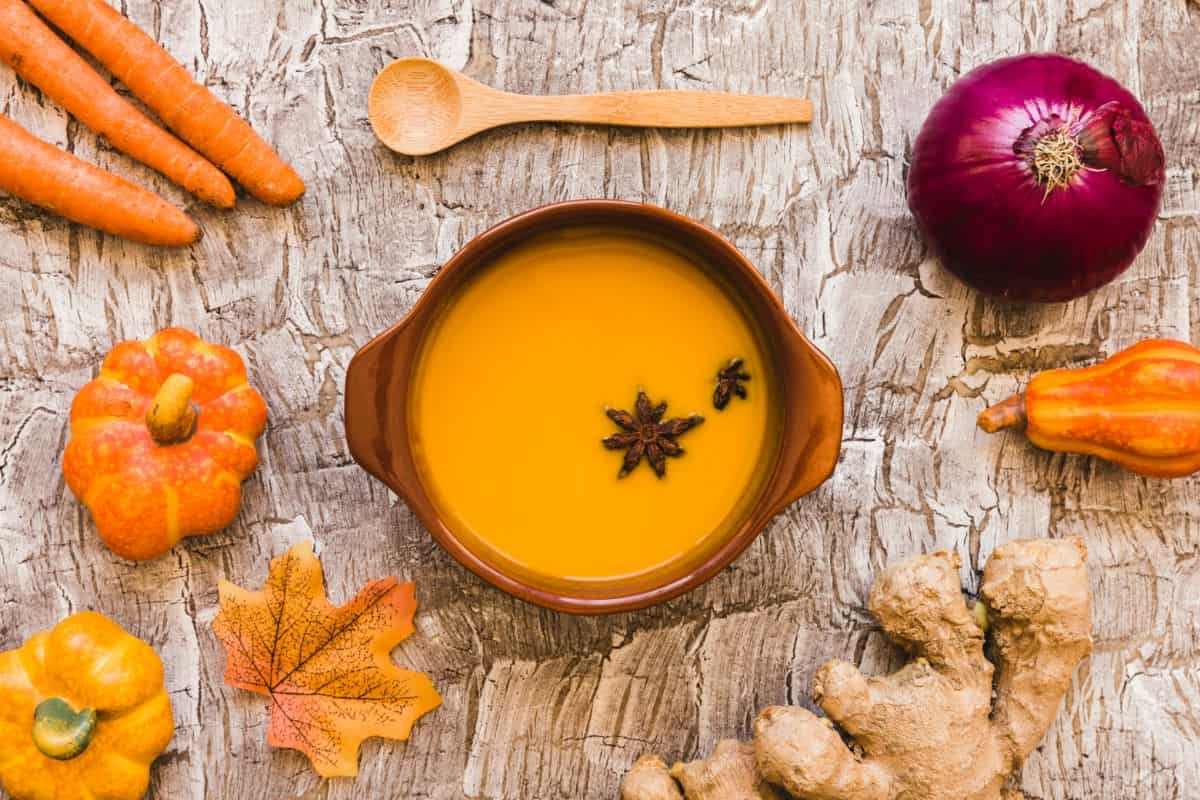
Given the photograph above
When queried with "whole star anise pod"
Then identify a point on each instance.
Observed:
(729, 383)
(647, 435)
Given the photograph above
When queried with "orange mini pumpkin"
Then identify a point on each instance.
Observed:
(162, 440)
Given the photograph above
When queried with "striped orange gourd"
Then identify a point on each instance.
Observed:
(1139, 409)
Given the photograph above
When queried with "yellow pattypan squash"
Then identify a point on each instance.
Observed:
(83, 713)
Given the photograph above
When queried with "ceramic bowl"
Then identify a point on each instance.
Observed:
(809, 394)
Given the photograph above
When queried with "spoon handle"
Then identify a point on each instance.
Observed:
(663, 109)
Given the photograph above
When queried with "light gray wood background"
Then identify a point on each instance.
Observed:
(537, 704)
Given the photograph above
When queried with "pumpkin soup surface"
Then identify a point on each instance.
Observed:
(511, 389)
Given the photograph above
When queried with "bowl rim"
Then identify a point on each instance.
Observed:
(368, 381)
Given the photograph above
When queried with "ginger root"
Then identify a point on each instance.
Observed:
(650, 780)
(939, 729)
(730, 773)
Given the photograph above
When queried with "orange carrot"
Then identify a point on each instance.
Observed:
(37, 54)
(187, 107)
(54, 179)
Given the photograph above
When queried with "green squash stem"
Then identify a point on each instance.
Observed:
(59, 731)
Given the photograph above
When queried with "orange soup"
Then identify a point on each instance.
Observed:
(511, 391)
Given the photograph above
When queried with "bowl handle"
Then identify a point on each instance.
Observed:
(817, 388)
(366, 410)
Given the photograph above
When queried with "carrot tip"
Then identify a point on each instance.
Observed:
(225, 199)
(280, 196)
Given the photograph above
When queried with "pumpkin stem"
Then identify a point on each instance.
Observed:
(1009, 414)
(59, 731)
(172, 417)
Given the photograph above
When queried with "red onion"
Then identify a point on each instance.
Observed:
(1036, 178)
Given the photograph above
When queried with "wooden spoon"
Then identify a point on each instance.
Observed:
(418, 107)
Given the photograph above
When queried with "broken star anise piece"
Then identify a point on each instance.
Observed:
(729, 383)
(647, 435)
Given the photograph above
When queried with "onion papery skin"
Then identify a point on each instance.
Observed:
(979, 202)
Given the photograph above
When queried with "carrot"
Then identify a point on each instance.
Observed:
(46, 176)
(37, 54)
(187, 107)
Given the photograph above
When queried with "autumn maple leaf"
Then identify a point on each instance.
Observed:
(328, 671)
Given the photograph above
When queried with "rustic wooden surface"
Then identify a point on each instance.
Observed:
(537, 704)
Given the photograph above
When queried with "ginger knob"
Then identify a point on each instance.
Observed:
(951, 724)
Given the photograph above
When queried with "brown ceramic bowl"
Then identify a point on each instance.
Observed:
(810, 396)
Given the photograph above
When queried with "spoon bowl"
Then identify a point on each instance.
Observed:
(418, 107)
(415, 105)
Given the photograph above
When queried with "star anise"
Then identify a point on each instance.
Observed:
(647, 435)
(729, 383)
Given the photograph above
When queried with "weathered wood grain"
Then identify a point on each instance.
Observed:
(539, 705)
